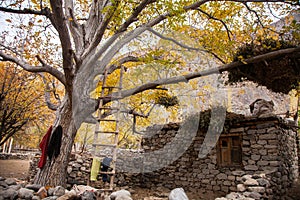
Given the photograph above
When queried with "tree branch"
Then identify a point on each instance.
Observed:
(45, 68)
(44, 11)
(133, 17)
(217, 70)
(216, 19)
(174, 41)
(97, 24)
(50, 105)
(59, 22)
(183, 45)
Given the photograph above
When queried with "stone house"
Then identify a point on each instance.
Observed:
(265, 147)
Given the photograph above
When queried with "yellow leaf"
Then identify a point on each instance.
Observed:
(8, 20)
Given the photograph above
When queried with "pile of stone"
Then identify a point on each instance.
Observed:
(252, 187)
(11, 188)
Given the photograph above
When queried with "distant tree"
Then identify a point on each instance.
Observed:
(21, 101)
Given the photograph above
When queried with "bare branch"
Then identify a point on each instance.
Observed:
(45, 68)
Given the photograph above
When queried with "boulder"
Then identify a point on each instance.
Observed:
(10, 181)
(69, 195)
(34, 187)
(25, 193)
(88, 195)
(59, 191)
(9, 194)
(178, 194)
(121, 195)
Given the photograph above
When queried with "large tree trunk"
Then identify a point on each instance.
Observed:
(55, 171)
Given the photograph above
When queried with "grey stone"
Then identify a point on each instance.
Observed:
(34, 187)
(263, 182)
(238, 173)
(10, 181)
(222, 176)
(251, 182)
(269, 136)
(263, 152)
(3, 184)
(9, 194)
(241, 188)
(79, 160)
(76, 165)
(50, 191)
(59, 191)
(255, 195)
(51, 198)
(255, 157)
(88, 195)
(269, 146)
(36, 198)
(121, 195)
(235, 130)
(70, 195)
(15, 187)
(262, 142)
(227, 183)
(274, 163)
(221, 198)
(231, 178)
(257, 189)
(234, 195)
(178, 194)
(246, 177)
(25, 193)
(262, 163)
(69, 170)
(251, 167)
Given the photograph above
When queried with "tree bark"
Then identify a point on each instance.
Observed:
(54, 172)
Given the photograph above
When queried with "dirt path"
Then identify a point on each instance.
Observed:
(14, 169)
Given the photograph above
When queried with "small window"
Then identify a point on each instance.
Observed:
(229, 151)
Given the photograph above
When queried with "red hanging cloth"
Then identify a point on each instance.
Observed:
(44, 145)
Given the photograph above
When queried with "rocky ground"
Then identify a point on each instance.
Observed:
(15, 185)
(14, 173)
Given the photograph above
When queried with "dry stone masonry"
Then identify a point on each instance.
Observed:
(268, 146)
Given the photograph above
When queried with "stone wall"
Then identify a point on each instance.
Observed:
(16, 156)
(78, 169)
(268, 147)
